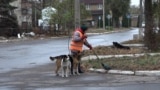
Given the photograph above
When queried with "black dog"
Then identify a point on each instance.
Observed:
(117, 45)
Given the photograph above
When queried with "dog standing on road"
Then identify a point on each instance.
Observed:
(74, 64)
(63, 63)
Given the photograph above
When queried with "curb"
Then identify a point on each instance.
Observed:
(148, 73)
(8, 40)
(2, 41)
(123, 72)
(90, 57)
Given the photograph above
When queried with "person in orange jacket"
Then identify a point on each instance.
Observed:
(79, 39)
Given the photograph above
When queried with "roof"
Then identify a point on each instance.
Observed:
(91, 1)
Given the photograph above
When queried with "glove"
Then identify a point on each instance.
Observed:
(84, 37)
(90, 47)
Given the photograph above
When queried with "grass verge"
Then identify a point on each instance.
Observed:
(146, 62)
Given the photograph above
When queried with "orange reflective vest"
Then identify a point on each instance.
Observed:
(77, 45)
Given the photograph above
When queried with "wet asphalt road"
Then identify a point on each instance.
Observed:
(43, 78)
(29, 53)
(25, 66)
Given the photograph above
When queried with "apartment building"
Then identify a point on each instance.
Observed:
(26, 18)
(96, 9)
(24, 14)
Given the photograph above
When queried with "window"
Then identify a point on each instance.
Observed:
(100, 6)
(24, 11)
(88, 7)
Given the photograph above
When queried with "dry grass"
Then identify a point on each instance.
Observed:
(109, 50)
(133, 42)
(145, 62)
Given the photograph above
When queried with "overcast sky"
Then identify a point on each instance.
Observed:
(135, 2)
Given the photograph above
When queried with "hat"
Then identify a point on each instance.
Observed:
(84, 27)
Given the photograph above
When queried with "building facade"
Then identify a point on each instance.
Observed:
(27, 19)
(96, 9)
(24, 14)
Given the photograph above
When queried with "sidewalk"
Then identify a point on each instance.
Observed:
(3, 40)
(102, 31)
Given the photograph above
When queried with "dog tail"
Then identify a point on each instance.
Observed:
(51, 58)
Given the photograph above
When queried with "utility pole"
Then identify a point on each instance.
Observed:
(159, 13)
(77, 13)
(140, 20)
(103, 14)
(35, 15)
